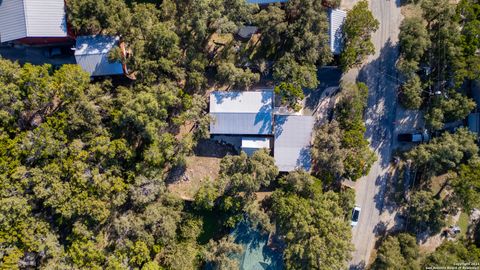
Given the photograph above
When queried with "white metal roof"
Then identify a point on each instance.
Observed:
(337, 18)
(255, 142)
(32, 18)
(293, 135)
(91, 54)
(252, 144)
(240, 101)
(247, 113)
(95, 44)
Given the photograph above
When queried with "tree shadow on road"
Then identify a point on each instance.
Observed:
(389, 198)
(380, 75)
(359, 266)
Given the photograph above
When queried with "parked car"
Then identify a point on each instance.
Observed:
(417, 137)
(355, 215)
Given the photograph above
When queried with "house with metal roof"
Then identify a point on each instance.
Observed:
(292, 142)
(336, 20)
(33, 21)
(241, 113)
(247, 121)
(91, 53)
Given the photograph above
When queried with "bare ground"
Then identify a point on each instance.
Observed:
(431, 243)
(411, 10)
(348, 4)
(198, 171)
(203, 166)
(262, 195)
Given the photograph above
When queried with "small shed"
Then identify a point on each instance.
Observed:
(246, 32)
(293, 134)
(336, 20)
(35, 21)
(91, 54)
(241, 113)
(252, 144)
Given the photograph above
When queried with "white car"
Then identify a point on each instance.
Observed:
(355, 215)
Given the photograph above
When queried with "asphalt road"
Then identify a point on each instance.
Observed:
(380, 75)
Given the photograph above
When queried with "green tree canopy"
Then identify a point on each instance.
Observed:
(451, 252)
(466, 185)
(219, 254)
(398, 252)
(445, 152)
(425, 212)
(414, 39)
(340, 149)
(411, 93)
(82, 168)
(316, 233)
(291, 95)
(357, 30)
(233, 193)
(233, 76)
(453, 107)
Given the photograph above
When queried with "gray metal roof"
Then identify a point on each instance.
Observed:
(293, 135)
(91, 54)
(337, 18)
(241, 113)
(32, 18)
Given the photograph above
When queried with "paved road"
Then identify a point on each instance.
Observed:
(380, 75)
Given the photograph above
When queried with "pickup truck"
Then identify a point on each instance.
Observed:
(417, 137)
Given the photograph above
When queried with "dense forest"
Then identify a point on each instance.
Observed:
(83, 163)
(439, 53)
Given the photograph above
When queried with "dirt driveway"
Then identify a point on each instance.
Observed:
(348, 4)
